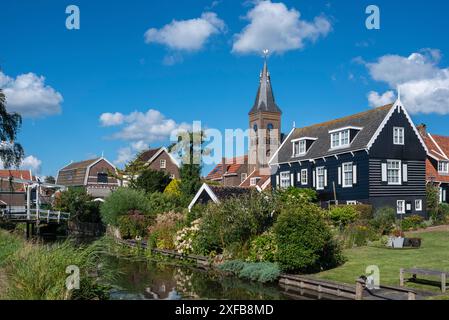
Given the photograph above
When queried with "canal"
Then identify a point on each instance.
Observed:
(147, 280)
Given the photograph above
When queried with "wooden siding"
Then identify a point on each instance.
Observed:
(72, 177)
(415, 185)
(101, 167)
(359, 191)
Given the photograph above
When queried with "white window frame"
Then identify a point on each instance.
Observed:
(400, 207)
(398, 136)
(253, 181)
(285, 180)
(243, 177)
(398, 169)
(418, 205)
(304, 177)
(320, 173)
(337, 139)
(443, 167)
(163, 164)
(344, 171)
(351, 202)
(299, 147)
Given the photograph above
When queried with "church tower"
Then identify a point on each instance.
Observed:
(265, 126)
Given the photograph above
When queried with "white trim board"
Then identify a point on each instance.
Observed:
(206, 188)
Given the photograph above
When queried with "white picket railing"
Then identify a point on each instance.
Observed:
(42, 215)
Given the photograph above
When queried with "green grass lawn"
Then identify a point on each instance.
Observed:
(434, 254)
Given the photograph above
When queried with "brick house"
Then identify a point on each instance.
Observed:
(437, 163)
(161, 160)
(93, 174)
(230, 172)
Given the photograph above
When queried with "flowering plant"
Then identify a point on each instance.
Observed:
(184, 238)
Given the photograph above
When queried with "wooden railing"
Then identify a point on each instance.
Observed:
(34, 215)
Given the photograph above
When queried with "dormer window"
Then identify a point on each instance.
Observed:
(443, 167)
(301, 146)
(341, 138)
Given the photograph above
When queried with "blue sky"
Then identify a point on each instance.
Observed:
(324, 64)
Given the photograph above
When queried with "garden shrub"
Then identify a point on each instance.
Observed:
(441, 215)
(365, 211)
(185, 237)
(359, 235)
(79, 204)
(166, 202)
(343, 215)
(173, 188)
(232, 266)
(151, 181)
(304, 240)
(432, 200)
(235, 220)
(261, 271)
(293, 196)
(122, 202)
(162, 232)
(412, 223)
(384, 220)
(133, 225)
(263, 248)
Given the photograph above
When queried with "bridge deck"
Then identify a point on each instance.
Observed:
(34, 216)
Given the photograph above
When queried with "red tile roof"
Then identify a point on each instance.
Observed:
(438, 147)
(232, 166)
(262, 183)
(5, 174)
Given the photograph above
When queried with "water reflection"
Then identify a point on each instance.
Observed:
(142, 280)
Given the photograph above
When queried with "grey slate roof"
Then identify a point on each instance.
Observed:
(265, 98)
(368, 120)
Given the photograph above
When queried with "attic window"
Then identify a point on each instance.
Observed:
(443, 167)
(253, 181)
(301, 146)
(340, 139)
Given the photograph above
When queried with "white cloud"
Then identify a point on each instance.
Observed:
(111, 119)
(148, 127)
(29, 163)
(275, 27)
(124, 155)
(424, 85)
(28, 95)
(187, 35)
(377, 100)
(140, 130)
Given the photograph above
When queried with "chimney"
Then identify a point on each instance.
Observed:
(422, 129)
(223, 169)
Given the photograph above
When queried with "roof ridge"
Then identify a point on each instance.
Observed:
(357, 115)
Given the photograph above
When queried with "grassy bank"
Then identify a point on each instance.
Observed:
(34, 271)
(434, 254)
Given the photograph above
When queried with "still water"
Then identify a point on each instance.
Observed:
(140, 280)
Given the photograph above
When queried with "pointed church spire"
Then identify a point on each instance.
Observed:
(265, 98)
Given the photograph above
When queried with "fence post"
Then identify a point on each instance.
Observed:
(359, 290)
(48, 216)
(59, 217)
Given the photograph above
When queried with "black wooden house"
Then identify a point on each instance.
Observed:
(376, 157)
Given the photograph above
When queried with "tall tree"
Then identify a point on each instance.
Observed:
(11, 153)
(190, 148)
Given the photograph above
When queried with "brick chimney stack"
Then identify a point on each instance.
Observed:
(422, 129)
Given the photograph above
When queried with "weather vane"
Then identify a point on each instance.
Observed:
(265, 53)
